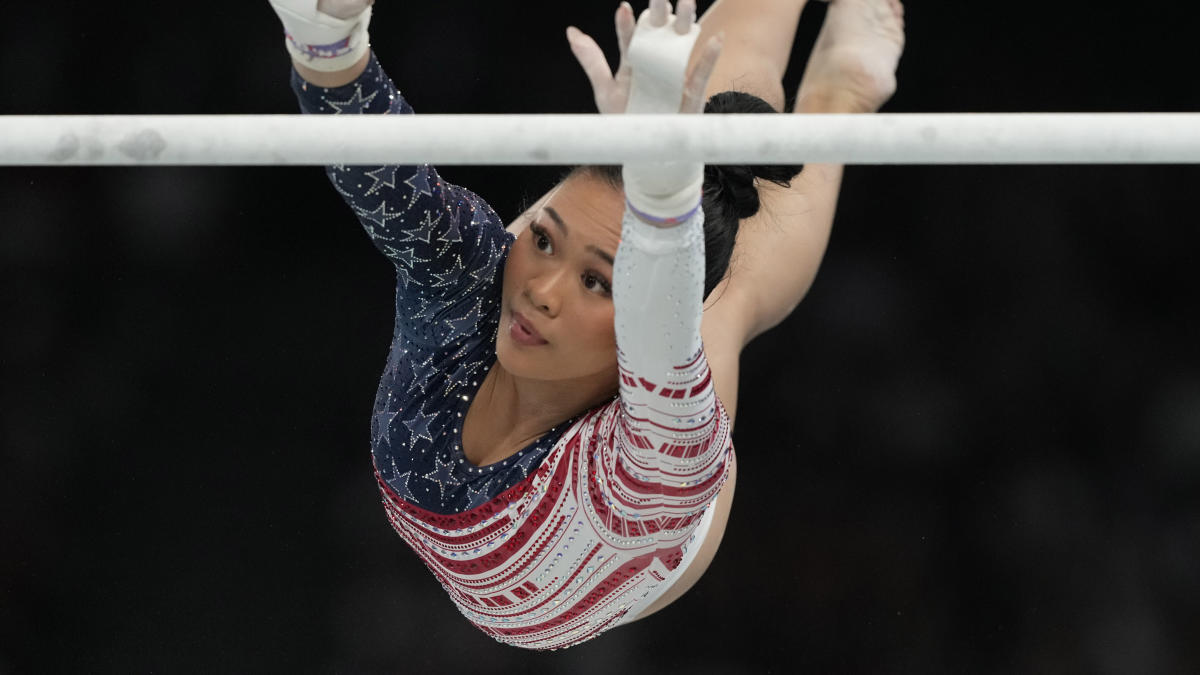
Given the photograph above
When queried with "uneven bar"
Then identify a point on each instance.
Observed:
(933, 138)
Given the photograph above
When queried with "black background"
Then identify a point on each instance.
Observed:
(975, 447)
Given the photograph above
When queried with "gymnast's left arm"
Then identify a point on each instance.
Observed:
(672, 448)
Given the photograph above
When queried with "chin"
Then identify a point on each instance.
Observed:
(514, 362)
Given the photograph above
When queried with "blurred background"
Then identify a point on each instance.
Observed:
(975, 447)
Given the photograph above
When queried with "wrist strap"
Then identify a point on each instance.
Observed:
(663, 190)
(661, 222)
(320, 41)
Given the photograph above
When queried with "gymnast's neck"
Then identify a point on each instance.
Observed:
(509, 412)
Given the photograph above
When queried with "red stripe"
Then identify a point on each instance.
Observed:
(517, 539)
(637, 440)
(469, 539)
(627, 481)
(506, 576)
(598, 593)
(633, 484)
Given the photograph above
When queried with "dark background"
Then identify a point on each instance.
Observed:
(975, 447)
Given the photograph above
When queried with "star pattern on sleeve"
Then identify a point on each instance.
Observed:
(424, 231)
(487, 270)
(337, 185)
(419, 182)
(429, 308)
(408, 256)
(465, 324)
(383, 176)
(448, 277)
(445, 243)
(450, 233)
(403, 278)
(379, 215)
(353, 104)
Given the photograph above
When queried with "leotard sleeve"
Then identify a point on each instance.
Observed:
(444, 240)
(672, 445)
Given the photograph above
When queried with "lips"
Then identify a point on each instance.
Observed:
(523, 331)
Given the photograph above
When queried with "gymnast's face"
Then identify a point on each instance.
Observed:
(558, 284)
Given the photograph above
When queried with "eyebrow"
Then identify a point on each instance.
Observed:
(563, 226)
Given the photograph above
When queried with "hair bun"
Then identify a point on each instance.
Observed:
(733, 185)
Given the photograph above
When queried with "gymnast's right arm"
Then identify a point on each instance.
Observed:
(443, 239)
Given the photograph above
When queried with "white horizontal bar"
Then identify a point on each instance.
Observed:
(1024, 138)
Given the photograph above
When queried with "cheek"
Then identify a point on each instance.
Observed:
(514, 271)
(600, 327)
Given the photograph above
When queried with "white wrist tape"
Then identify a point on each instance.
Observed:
(658, 57)
(320, 41)
(664, 191)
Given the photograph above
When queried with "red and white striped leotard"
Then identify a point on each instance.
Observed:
(603, 521)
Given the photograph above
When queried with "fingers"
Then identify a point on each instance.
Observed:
(659, 9)
(685, 16)
(697, 80)
(591, 59)
(625, 27)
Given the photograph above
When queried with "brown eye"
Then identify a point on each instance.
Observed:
(596, 283)
(540, 241)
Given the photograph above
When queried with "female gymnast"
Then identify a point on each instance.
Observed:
(551, 434)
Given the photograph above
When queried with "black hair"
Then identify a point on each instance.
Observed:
(729, 192)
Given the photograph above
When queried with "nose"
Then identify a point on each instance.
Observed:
(544, 291)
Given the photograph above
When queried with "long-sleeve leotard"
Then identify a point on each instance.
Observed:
(555, 544)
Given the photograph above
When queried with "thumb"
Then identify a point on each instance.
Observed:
(591, 59)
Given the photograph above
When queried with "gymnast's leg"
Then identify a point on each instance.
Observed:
(851, 70)
(758, 43)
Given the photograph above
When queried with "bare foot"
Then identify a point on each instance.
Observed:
(852, 67)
